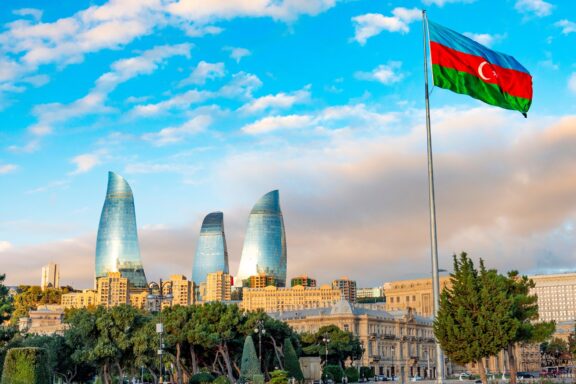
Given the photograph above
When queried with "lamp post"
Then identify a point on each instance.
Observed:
(159, 297)
(427, 363)
(393, 370)
(326, 340)
(259, 329)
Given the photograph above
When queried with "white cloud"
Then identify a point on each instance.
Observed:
(85, 162)
(204, 71)
(156, 167)
(7, 168)
(178, 102)
(274, 123)
(566, 25)
(539, 8)
(5, 246)
(35, 13)
(278, 101)
(441, 3)
(371, 24)
(386, 73)
(179, 133)
(572, 83)
(484, 38)
(237, 53)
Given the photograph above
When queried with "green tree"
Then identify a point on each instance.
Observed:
(475, 319)
(175, 320)
(341, 346)
(291, 363)
(145, 347)
(525, 313)
(333, 372)
(250, 365)
(26, 365)
(6, 305)
(351, 374)
(30, 297)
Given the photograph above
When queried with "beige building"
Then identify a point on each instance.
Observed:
(274, 299)
(112, 290)
(260, 281)
(45, 320)
(83, 299)
(182, 290)
(556, 296)
(218, 287)
(50, 276)
(303, 280)
(363, 293)
(395, 343)
(415, 294)
(347, 287)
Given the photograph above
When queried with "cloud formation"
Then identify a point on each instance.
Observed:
(385, 73)
(372, 24)
(538, 8)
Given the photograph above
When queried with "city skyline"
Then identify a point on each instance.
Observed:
(203, 108)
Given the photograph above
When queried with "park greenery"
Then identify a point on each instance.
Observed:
(484, 312)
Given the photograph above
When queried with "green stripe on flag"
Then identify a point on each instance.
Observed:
(467, 84)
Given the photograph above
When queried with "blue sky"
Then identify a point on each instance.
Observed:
(206, 106)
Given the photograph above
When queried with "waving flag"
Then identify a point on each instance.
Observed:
(464, 66)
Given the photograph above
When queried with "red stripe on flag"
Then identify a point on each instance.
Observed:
(513, 82)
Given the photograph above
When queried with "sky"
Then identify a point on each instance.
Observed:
(207, 105)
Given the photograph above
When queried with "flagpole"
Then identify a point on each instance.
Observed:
(432, 205)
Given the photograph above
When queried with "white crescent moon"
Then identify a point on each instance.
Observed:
(482, 64)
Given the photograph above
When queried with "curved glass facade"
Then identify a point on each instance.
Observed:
(117, 248)
(211, 252)
(264, 249)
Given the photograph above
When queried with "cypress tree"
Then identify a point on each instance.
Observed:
(250, 365)
(291, 363)
(475, 316)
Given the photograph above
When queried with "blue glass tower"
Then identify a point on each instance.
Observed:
(211, 252)
(117, 248)
(265, 242)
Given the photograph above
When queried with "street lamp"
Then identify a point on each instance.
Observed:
(159, 297)
(427, 354)
(393, 370)
(259, 329)
(326, 340)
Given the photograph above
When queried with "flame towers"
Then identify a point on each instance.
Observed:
(117, 248)
(264, 249)
(211, 252)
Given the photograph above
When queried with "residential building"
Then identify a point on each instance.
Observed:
(117, 248)
(556, 296)
(83, 299)
(112, 290)
(415, 294)
(275, 299)
(348, 288)
(303, 280)
(260, 281)
(182, 290)
(365, 293)
(264, 249)
(211, 252)
(50, 276)
(218, 287)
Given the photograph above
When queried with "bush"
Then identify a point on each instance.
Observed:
(201, 378)
(26, 365)
(352, 374)
(367, 372)
(258, 379)
(291, 362)
(278, 377)
(221, 380)
(333, 372)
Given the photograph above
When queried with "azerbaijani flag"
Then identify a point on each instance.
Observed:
(464, 66)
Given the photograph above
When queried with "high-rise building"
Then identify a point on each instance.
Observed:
(50, 276)
(112, 290)
(260, 281)
(415, 294)
(348, 288)
(211, 252)
(303, 280)
(218, 287)
(117, 248)
(181, 289)
(264, 248)
(556, 296)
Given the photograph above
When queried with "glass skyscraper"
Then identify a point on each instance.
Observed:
(117, 248)
(264, 249)
(211, 252)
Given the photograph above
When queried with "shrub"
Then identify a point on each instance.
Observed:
(221, 380)
(291, 362)
(333, 372)
(258, 378)
(278, 377)
(367, 372)
(352, 374)
(201, 378)
(249, 365)
(26, 365)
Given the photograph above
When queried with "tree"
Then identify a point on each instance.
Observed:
(26, 365)
(342, 344)
(250, 365)
(6, 305)
(525, 313)
(474, 319)
(175, 319)
(291, 363)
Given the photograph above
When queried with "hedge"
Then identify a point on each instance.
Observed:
(26, 366)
